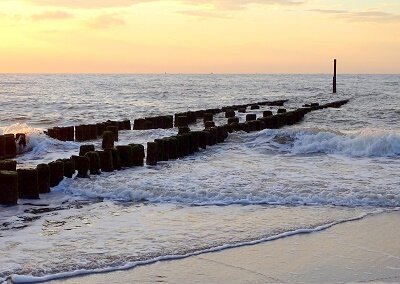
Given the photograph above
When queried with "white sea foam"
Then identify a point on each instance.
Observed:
(361, 143)
(240, 174)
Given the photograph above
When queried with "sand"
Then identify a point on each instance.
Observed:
(367, 250)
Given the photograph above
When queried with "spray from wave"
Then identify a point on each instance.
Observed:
(38, 144)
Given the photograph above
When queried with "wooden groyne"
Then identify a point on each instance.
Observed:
(29, 183)
(87, 132)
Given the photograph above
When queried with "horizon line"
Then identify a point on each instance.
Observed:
(183, 73)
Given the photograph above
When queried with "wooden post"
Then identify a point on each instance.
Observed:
(43, 178)
(152, 153)
(28, 183)
(9, 187)
(334, 76)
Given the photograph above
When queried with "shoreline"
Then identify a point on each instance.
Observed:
(278, 257)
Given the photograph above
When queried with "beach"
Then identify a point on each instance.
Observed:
(361, 251)
(228, 212)
(208, 141)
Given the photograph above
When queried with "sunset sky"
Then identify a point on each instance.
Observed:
(199, 36)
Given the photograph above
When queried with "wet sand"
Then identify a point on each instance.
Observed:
(363, 251)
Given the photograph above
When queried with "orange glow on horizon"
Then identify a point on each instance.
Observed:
(220, 36)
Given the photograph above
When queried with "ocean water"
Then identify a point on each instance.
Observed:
(337, 165)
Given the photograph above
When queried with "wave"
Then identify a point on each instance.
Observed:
(362, 143)
(204, 182)
(38, 144)
(277, 167)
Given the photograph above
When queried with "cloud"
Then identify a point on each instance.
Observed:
(52, 15)
(218, 4)
(205, 14)
(240, 4)
(86, 4)
(223, 8)
(105, 21)
(361, 16)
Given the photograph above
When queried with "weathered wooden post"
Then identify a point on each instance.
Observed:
(138, 154)
(189, 140)
(83, 149)
(229, 113)
(114, 130)
(160, 150)
(212, 137)
(43, 178)
(334, 76)
(82, 165)
(209, 124)
(70, 133)
(127, 124)
(221, 134)
(93, 131)
(251, 116)
(181, 121)
(106, 161)
(183, 130)
(28, 183)
(267, 113)
(69, 167)
(101, 127)
(138, 124)
(11, 146)
(173, 148)
(194, 141)
(116, 158)
(180, 150)
(86, 132)
(148, 124)
(203, 138)
(8, 165)
(94, 162)
(56, 172)
(108, 140)
(184, 144)
(169, 121)
(260, 124)
(79, 130)
(9, 187)
(234, 119)
(152, 153)
(2, 147)
(126, 155)
(254, 107)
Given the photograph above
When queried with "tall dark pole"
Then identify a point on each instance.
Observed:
(334, 76)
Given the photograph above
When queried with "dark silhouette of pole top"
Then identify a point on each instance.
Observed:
(334, 76)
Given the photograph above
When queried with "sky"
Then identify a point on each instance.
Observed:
(199, 36)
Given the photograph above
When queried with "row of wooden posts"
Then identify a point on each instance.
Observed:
(29, 183)
(86, 132)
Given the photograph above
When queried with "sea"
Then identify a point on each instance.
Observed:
(335, 166)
